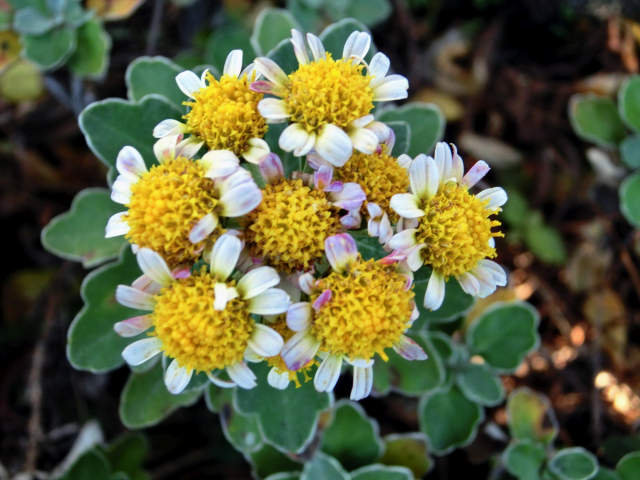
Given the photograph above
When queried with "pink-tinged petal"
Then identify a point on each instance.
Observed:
(277, 379)
(168, 127)
(316, 47)
(133, 326)
(475, 173)
(181, 272)
(392, 87)
(394, 257)
(224, 256)
(364, 140)
(263, 86)
(219, 163)
(154, 266)
(315, 161)
(341, 251)
(271, 302)
(189, 147)
(219, 382)
(390, 141)
(322, 177)
(299, 350)
(140, 351)
(356, 46)
(328, 373)
(256, 281)
(374, 210)
(134, 298)
(322, 300)
(406, 205)
(306, 282)
(257, 150)
(350, 198)
(176, 378)
(409, 349)
(188, 83)
(265, 341)
(274, 110)
(205, 227)
(242, 375)
(334, 187)
(299, 49)
(334, 145)
(240, 200)
(146, 284)
(233, 63)
(271, 71)
(495, 196)
(129, 162)
(223, 294)
(434, 296)
(271, 168)
(165, 147)
(299, 316)
(415, 313)
(351, 220)
(362, 383)
(403, 240)
(116, 225)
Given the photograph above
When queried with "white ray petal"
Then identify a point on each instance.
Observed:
(203, 228)
(129, 162)
(242, 375)
(224, 256)
(299, 350)
(223, 294)
(168, 126)
(356, 46)
(341, 251)
(233, 63)
(316, 47)
(334, 145)
(257, 150)
(424, 177)
(378, 68)
(406, 205)
(140, 351)
(219, 163)
(219, 382)
(299, 49)
(154, 266)
(133, 326)
(299, 316)
(403, 240)
(256, 281)
(265, 341)
(188, 82)
(240, 200)
(496, 197)
(176, 378)
(434, 296)
(277, 379)
(469, 283)
(116, 225)
(409, 349)
(271, 71)
(393, 87)
(293, 137)
(272, 302)
(134, 298)
(362, 382)
(273, 109)
(328, 373)
(364, 140)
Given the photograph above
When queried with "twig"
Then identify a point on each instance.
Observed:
(631, 269)
(154, 29)
(58, 92)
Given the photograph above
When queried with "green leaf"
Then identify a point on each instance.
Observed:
(630, 151)
(456, 301)
(145, 400)
(504, 334)
(267, 461)
(352, 437)
(51, 49)
(407, 450)
(629, 102)
(306, 14)
(628, 468)
(91, 56)
(335, 35)
(323, 467)
(272, 26)
(289, 433)
(516, 211)
(630, 199)
(283, 55)
(216, 398)
(524, 459)
(111, 124)
(596, 119)
(382, 472)
(444, 346)
(410, 378)
(242, 431)
(425, 121)
(369, 12)
(449, 419)
(530, 416)
(545, 242)
(127, 453)
(146, 75)
(92, 344)
(30, 21)
(78, 234)
(228, 37)
(574, 464)
(369, 247)
(480, 384)
(284, 476)
(607, 474)
(402, 131)
(91, 464)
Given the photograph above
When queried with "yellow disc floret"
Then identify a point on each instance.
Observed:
(328, 91)
(224, 114)
(369, 310)
(456, 230)
(299, 376)
(289, 227)
(379, 175)
(165, 204)
(193, 332)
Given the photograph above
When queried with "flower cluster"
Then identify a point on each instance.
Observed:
(240, 267)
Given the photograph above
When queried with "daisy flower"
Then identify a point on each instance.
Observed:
(223, 113)
(328, 102)
(202, 320)
(359, 310)
(175, 206)
(288, 228)
(448, 228)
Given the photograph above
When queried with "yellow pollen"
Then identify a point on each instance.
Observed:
(280, 326)
(195, 334)
(225, 114)
(289, 227)
(379, 175)
(165, 205)
(328, 91)
(456, 230)
(369, 310)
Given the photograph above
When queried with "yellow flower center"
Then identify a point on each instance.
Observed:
(165, 205)
(378, 174)
(195, 334)
(369, 310)
(289, 227)
(456, 230)
(225, 114)
(299, 376)
(328, 91)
